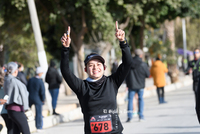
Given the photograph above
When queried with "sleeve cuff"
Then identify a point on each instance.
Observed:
(65, 48)
(123, 44)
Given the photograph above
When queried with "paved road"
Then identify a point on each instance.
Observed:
(175, 117)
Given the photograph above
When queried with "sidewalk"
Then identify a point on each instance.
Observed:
(68, 106)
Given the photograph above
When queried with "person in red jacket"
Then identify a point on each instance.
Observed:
(97, 94)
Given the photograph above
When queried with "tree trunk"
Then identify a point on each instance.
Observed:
(68, 91)
(172, 68)
(80, 64)
(142, 34)
(173, 73)
(104, 55)
(132, 43)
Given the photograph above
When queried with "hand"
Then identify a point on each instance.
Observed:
(190, 71)
(120, 34)
(2, 101)
(26, 110)
(65, 39)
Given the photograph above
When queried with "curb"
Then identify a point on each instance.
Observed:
(152, 90)
(53, 120)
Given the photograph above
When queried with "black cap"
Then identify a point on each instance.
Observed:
(94, 56)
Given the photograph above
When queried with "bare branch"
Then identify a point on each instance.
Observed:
(94, 37)
(125, 24)
(107, 49)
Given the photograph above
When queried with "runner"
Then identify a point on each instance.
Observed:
(97, 94)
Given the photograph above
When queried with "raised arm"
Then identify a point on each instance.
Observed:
(122, 71)
(120, 34)
(65, 39)
(74, 83)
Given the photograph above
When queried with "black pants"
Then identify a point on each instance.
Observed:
(8, 123)
(1, 127)
(197, 98)
(160, 92)
(195, 86)
(19, 122)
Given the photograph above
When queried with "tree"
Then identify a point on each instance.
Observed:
(187, 8)
(154, 13)
(91, 23)
(15, 36)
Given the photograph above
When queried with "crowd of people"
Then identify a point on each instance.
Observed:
(23, 93)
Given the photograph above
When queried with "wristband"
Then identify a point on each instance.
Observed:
(124, 41)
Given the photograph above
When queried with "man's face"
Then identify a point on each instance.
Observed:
(196, 54)
(95, 69)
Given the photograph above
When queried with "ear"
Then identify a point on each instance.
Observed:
(85, 69)
(104, 67)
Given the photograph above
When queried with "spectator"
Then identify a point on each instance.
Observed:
(193, 69)
(21, 76)
(136, 83)
(158, 71)
(37, 96)
(114, 67)
(54, 80)
(17, 103)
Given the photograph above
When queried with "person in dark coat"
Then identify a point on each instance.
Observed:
(37, 96)
(54, 80)
(135, 81)
(21, 76)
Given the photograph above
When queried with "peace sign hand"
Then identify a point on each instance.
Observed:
(65, 39)
(120, 34)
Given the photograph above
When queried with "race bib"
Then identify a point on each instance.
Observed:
(101, 123)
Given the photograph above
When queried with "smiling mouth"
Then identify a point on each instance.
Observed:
(95, 72)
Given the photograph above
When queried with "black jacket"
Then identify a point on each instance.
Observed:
(22, 78)
(136, 77)
(98, 98)
(53, 78)
(196, 70)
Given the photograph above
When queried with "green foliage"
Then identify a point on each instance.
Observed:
(189, 8)
(100, 16)
(22, 49)
(19, 4)
(16, 32)
(158, 47)
(102, 20)
(171, 54)
(192, 34)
